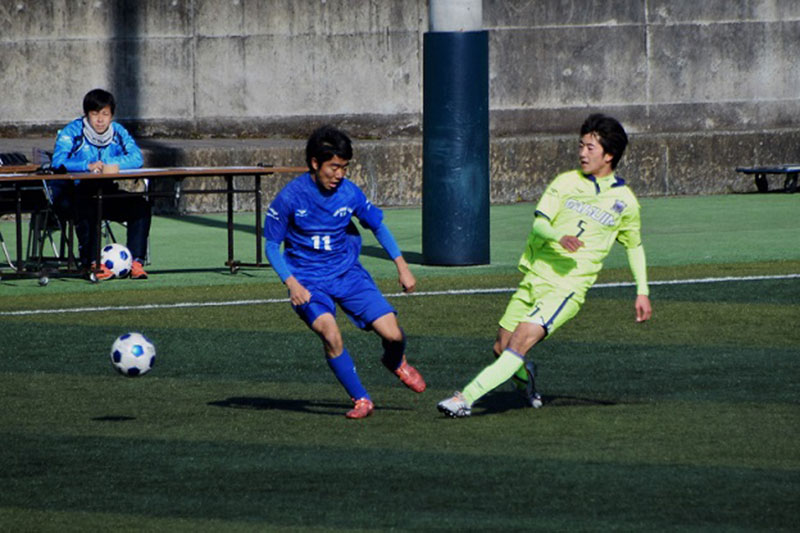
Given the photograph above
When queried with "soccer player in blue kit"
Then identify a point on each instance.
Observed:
(311, 216)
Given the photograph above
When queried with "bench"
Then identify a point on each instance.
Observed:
(790, 171)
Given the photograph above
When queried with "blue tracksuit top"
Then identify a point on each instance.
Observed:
(74, 152)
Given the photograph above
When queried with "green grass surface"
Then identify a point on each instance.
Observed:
(688, 422)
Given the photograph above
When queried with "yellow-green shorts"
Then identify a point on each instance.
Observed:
(539, 302)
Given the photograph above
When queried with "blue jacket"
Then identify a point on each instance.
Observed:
(74, 152)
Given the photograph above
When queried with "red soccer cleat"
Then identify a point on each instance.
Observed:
(409, 375)
(137, 271)
(362, 409)
(101, 273)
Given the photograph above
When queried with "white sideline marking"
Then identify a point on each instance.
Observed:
(145, 307)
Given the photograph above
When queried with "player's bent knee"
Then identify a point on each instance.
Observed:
(497, 349)
(525, 337)
(394, 337)
(388, 328)
(394, 346)
(325, 326)
(333, 343)
(501, 342)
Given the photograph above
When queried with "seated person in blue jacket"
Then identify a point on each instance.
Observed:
(95, 143)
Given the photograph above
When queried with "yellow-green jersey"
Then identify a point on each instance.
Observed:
(598, 212)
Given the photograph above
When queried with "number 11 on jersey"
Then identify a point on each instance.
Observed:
(321, 242)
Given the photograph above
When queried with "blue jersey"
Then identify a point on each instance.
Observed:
(315, 226)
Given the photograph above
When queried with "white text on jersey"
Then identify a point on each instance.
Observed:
(591, 211)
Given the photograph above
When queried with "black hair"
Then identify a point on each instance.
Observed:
(97, 99)
(327, 142)
(609, 132)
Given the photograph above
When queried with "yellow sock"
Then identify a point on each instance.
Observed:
(493, 375)
(521, 376)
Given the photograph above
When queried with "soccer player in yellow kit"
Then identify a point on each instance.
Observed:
(577, 220)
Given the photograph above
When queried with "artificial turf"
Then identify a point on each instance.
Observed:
(687, 422)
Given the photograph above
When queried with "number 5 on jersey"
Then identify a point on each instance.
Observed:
(580, 225)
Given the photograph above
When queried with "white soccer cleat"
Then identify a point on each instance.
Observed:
(455, 406)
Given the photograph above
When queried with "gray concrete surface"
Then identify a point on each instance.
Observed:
(702, 87)
(390, 170)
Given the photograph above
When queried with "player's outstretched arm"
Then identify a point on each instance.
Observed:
(543, 229)
(386, 240)
(298, 294)
(643, 308)
(405, 277)
(638, 264)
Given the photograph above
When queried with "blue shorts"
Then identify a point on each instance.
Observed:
(354, 291)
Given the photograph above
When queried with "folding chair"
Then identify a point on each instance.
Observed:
(6, 253)
(33, 201)
(8, 196)
(36, 199)
(13, 159)
(44, 222)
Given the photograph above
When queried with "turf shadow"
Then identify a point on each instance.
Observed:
(113, 418)
(413, 258)
(241, 271)
(502, 401)
(317, 407)
(211, 222)
(575, 401)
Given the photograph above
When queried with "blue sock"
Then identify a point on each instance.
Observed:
(345, 371)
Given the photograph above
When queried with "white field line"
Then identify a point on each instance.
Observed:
(180, 305)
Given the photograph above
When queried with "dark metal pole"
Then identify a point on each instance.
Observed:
(455, 169)
(229, 181)
(99, 227)
(259, 254)
(18, 189)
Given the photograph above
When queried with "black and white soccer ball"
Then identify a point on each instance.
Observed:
(117, 258)
(133, 355)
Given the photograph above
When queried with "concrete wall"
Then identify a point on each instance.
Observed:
(196, 67)
(702, 86)
(661, 65)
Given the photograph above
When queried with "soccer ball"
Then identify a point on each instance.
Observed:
(117, 258)
(132, 354)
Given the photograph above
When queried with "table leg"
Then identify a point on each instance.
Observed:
(259, 254)
(20, 266)
(790, 184)
(99, 228)
(72, 263)
(231, 263)
(761, 182)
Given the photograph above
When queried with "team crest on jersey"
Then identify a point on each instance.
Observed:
(300, 213)
(271, 213)
(343, 211)
(619, 206)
